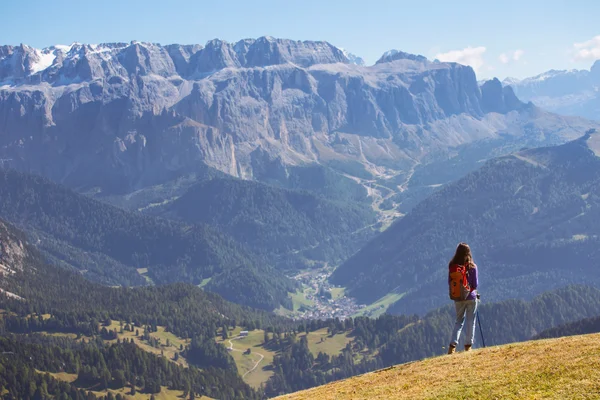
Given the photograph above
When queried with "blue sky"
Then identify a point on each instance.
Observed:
(498, 38)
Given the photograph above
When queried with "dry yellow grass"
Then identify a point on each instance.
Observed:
(565, 368)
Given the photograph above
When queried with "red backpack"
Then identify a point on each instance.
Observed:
(459, 282)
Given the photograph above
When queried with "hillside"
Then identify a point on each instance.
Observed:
(65, 304)
(53, 320)
(525, 215)
(390, 339)
(550, 369)
(581, 327)
(113, 246)
(283, 225)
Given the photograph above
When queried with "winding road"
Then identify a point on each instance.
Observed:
(230, 348)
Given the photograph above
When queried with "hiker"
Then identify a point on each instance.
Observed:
(462, 280)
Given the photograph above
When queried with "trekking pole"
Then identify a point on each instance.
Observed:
(480, 330)
(479, 323)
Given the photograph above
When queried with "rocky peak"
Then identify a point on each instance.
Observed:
(496, 98)
(267, 50)
(353, 58)
(146, 58)
(216, 55)
(181, 55)
(393, 55)
(16, 62)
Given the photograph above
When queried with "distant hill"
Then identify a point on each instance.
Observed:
(116, 247)
(529, 218)
(549, 369)
(581, 327)
(285, 226)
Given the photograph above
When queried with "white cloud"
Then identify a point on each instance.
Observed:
(511, 56)
(517, 54)
(472, 56)
(588, 50)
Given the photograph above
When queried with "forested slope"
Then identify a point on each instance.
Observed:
(41, 298)
(109, 244)
(529, 218)
(283, 225)
(390, 340)
(581, 327)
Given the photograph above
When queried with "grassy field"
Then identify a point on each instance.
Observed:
(245, 363)
(165, 393)
(168, 351)
(319, 341)
(380, 306)
(299, 299)
(336, 293)
(565, 368)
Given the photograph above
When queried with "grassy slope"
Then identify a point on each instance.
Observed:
(254, 341)
(165, 393)
(562, 368)
(169, 352)
(320, 341)
(162, 334)
(245, 363)
(380, 306)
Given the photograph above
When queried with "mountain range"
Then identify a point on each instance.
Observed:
(567, 92)
(119, 117)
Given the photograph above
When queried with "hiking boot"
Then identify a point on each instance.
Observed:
(451, 349)
(467, 347)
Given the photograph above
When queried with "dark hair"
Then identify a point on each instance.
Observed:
(463, 256)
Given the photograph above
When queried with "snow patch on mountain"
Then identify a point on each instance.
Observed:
(353, 58)
(45, 58)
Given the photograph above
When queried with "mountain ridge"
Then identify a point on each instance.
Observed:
(121, 117)
(522, 214)
(568, 92)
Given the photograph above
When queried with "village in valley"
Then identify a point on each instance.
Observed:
(319, 299)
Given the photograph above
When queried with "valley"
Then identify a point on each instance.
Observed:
(273, 218)
(318, 299)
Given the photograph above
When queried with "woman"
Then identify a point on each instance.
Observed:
(468, 306)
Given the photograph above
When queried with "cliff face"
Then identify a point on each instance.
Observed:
(120, 116)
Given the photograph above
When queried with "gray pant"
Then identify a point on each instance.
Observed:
(468, 308)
